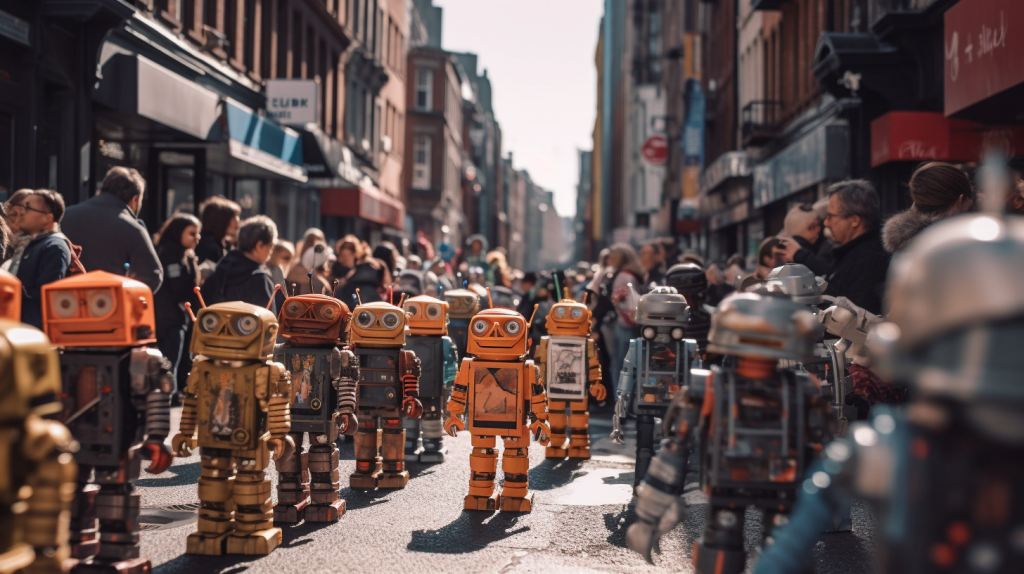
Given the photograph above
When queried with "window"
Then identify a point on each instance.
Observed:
(231, 27)
(267, 29)
(296, 46)
(424, 89)
(282, 40)
(249, 29)
(421, 163)
(210, 13)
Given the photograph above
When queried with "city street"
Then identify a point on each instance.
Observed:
(579, 519)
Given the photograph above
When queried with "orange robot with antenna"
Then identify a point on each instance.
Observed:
(116, 394)
(389, 376)
(567, 359)
(500, 391)
(10, 296)
(238, 400)
(428, 338)
(324, 374)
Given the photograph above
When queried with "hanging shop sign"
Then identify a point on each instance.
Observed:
(924, 136)
(293, 102)
(983, 44)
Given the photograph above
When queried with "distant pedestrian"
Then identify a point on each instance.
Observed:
(176, 248)
(652, 259)
(717, 287)
(220, 218)
(281, 261)
(109, 230)
(625, 267)
(939, 190)
(766, 261)
(802, 238)
(861, 263)
(242, 274)
(17, 240)
(365, 273)
(48, 254)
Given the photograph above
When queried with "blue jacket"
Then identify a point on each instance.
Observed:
(45, 260)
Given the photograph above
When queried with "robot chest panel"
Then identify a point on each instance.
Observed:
(313, 394)
(496, 398)
(567, 369)
(662, 366)
(230, 415)
(379, 383)
(429, 352)
(97, 402)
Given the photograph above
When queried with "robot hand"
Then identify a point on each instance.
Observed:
(182, 445)
(453, 424)
(599, 392)
(281, 446)
(347, 424)
(158, 455)
(541, 432)
(657, 513)
(621, 405)
(412, 407)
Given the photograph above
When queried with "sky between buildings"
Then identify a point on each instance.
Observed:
(539, 55)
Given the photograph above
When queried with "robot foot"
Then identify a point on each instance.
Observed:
(393, 479)
(259, 543)
(199, 543)
(131, 566)
(432, 456)
(554, 452)
(325, 512)
(363, 480)
(290, 513)
(488, 503)
(516, 504)
(718, 560)
(582, 452)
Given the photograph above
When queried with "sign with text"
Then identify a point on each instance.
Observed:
(293, 101)
(982, 51)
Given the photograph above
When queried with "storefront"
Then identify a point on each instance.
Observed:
(363, 211)
(724, 196)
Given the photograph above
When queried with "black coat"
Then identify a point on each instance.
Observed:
(859, 272)
(180, 278)
(238, 278)
(810, 256)
(45, 260)
(210, 249)
(111, 235)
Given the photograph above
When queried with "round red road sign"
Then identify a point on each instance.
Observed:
(655, 150)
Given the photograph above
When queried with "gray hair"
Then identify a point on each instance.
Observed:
(859, 197)
(254, 230)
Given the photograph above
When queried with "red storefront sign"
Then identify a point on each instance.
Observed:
(983, 47)
(924, 136)
(368, 204)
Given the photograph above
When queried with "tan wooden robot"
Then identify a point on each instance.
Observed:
(240, 399)
(567, 359)
(499, 389)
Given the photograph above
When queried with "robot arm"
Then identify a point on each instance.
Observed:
(151, 384)
(451, 361)
(538, 405)
(49, 444)
(279, 419)
(409, 365)
(540, 359)
(597, 389)
(625, 391)
(185, 441)
(852, 324)
(345, 379)
(457, 402)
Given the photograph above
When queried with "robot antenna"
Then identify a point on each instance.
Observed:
(200, 295)
(276, 289)
(529, 323)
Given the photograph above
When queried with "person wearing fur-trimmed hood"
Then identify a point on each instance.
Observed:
(938, 190)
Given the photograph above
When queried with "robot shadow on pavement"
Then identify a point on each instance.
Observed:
(469, 532)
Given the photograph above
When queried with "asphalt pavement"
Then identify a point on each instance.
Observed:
(581, 510)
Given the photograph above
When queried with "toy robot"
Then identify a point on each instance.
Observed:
(463, 304)
(757, 426)
(567, 360)
(657, 365)
(944, 473)
(689, 280)
(238, 400)
(10, 296)
(116, 395)
(324, 379)
(389, 378)
(37, 481)
(428, 339)
(502, 394)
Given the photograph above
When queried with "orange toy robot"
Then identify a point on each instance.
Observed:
(388, 390)
(324, 377)
(10, 296)
(501, 389)
(428, 338)
(240, 400)
(116, 390)
(567, 359)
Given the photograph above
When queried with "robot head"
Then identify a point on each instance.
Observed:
(569, 318)
(689, 280)
(497, 334)
(766, 326)
(662, 314)
(377, 324)
(10, 296)
(30, 379)
(427, 315)
(313, 320)
(98, 309)
(797, 282)
(234, 331)
(462, 303)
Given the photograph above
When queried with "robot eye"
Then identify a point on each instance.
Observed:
(412, 310)
(560, 312)
(513, 328)
(479, 327)
(65, 304)
(433, 311)
(246, 324)
(328, 312)
(209, 322)
(390, 320)
(649, 332)
(101, 303)
(294, 308)
(365, 319)
(576, 313)
(677, 333)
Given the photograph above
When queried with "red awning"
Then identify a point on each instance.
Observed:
(924, 136)
(368, 204)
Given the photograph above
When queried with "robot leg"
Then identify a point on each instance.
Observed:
(292, 483)
(515, 463)
(216, 479)
(84, 537)
(367, 445)
(49, 505)
(579, 428)
(558, 423)
(483, 465)
(327, 505)
(644, 446)
(393, 451)
(254, 532)
(412, 436)
(721, 549)
(433, 431)
(117, 508)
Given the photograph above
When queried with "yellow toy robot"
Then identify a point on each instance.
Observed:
(238, 398)
(499, 389)
(37, 475)
(567, 360)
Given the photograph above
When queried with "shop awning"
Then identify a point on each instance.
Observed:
(924, 136)
(262, 144)
(363, 202)
(821, 155)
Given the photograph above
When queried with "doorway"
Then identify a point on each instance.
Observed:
(181, 184)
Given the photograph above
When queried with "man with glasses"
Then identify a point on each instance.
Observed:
(46, 256)
(861, 262)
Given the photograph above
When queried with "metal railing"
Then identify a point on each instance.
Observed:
(760, 120)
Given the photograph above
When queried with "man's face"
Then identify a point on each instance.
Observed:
(36, 216)
(648, 257)
(844, 227)
(262, 251)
